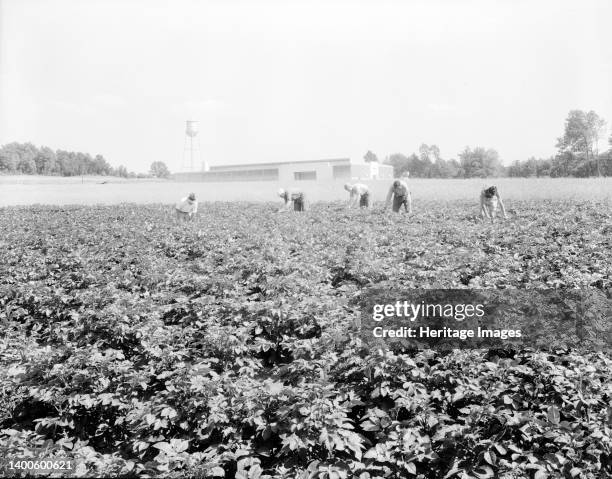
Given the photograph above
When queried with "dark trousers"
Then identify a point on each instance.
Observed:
(364, 200)
(299, 204)
(398, 201)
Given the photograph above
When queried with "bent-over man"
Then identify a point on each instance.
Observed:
(359, 192)
(400, 194)
(186, 208)
(489, 202)
(295, 196)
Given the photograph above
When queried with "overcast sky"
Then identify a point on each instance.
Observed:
(284, 80)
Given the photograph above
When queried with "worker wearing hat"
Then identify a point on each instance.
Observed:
(295, 196)
(187, 207)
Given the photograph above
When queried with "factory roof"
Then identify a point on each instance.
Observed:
(260, 165)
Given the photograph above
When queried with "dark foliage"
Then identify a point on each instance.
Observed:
(227, 347)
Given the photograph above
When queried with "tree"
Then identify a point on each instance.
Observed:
(8, 158)
(545, 166)
(83, 163)
(402, 164)
(101, 166)
(370, 157)
(480, 162)
(399, 163)
(427, 165)
(159, 169)
(26, 158)
(581, 138)
(18, 158)
(432, 165)
(530, 167)
(121, 171)
(446, 168)
(45, 161)
(605, 160)
(429, 152)
(66, 163)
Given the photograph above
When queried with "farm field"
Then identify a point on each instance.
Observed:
(24, 190)
(229, 346)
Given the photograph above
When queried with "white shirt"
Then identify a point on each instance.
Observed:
(358, 189)
(187, 206)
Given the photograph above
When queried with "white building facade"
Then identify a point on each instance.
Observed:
(316, 170)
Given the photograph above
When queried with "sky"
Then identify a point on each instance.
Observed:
(285, 80)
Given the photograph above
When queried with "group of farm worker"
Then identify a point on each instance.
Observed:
(359, 193)
(399, 193)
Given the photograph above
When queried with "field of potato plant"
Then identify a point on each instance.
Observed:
(229, 346)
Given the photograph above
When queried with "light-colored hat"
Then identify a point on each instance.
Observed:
(281, 192)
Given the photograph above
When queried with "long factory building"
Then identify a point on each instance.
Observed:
(313, 170)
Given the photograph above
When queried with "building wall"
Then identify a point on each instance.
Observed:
(385, 172)
(267, 174)
(315, 171)
(341, 172)
(371, 171)
(293, 172)
(255, 174)
(283, 172)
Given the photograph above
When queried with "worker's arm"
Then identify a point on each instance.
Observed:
(483, 209)
(353, 199)
(389, 196)
(501, 205)
(194, 210)
(285, 206)
(409, 202)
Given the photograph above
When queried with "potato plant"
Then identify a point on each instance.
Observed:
(229, 346)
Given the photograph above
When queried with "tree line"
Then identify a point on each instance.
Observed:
(28, 159)
(577, 155)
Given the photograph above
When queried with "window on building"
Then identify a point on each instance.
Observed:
(305, 175)
(342, 171)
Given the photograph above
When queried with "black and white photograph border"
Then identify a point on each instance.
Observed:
(287, 239)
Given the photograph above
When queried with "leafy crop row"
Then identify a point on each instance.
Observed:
(229, 347)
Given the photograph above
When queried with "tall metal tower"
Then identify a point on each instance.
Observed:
(191, 149)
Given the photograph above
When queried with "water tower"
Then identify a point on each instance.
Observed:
(191, 148)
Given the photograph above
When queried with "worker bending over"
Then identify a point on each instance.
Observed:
(186, 208)
(400, 194)
(359, 192)
(295, 196)
(489, 202)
